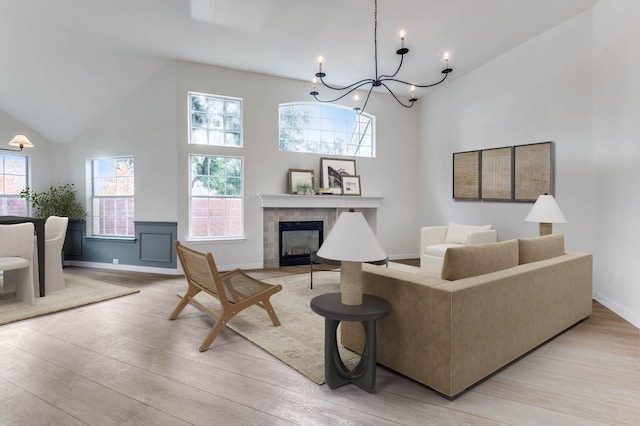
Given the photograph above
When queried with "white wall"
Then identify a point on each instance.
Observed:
(391, 174)
(576, 85)
(141, 124)
(40, 157)
(151, 124)
(616, 127)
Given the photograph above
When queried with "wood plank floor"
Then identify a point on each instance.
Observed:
(121, 362)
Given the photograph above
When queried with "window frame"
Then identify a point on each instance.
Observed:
(322, 119)
(5, 196)
(190, 126)
(241, 235)
(94, 197)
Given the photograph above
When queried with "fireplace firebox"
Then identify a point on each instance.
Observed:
(298, 240)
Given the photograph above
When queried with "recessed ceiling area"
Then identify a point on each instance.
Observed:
(66, 61)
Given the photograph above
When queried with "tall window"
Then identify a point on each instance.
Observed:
(326, 129)
(215, 197)
(112, 210)
(215, 120)
(13, 179)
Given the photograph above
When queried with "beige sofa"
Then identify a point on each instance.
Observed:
(492, 304)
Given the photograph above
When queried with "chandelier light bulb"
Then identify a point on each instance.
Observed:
(446, 56)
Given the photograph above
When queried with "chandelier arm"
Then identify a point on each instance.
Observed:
(357, 84)
(416, 85)
(359, 111)
(384, 76)
(344, 94)
(396, 98)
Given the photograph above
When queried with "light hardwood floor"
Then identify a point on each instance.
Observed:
(121, 362)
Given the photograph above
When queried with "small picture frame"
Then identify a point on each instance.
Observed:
(300, 181)
(351, 185)
(331, 172)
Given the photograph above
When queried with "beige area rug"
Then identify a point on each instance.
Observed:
(79, 291)
(299, 340)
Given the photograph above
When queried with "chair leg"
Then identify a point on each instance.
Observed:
(208, 341)
(22, 279)
(272, 313)
(191, 292)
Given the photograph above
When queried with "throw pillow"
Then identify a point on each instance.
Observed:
(470, 261)
(457, 234)
(540, 248)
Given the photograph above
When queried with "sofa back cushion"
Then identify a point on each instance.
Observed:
(540, 248)
(457, 234)
(470, 261)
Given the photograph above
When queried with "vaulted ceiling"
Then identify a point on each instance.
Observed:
(63, 62)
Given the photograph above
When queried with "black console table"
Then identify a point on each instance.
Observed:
(333, 311)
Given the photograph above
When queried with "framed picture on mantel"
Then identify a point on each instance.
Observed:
(331, 172)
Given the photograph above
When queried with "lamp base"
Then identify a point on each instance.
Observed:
(351, 283)
(545, 228)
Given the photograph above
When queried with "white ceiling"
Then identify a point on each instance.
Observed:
(63, 62)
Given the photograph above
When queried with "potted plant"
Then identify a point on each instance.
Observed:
(59, 200)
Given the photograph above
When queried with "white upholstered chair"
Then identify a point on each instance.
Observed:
(435, 240)
(55, 231)
(16, 260)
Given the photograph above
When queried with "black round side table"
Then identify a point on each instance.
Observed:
(333, 311)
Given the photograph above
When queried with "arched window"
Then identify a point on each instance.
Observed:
(326, 129)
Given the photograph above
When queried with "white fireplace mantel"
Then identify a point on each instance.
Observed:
(320, 201)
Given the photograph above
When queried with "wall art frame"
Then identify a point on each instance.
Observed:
(497, 174)
(351, 185)
(331, 172)
(533, 175)
(466, 175)
(299, 177)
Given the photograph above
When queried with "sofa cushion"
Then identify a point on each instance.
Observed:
(470, 261)
(439, 249)
(540, 248)
(457, 234)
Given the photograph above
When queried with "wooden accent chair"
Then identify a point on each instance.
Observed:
(235, 290)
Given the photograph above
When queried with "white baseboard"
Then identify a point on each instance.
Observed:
(122, 267)
(618, 309)
(404, 256)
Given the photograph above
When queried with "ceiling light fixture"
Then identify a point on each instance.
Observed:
(21, 141)
(380, 79)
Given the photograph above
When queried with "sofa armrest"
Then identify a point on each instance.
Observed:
(482, 237)
(430, 235)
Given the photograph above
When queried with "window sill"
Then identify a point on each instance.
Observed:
(130, 240)
(240, 239)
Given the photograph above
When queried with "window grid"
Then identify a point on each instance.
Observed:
(113, 205)
(13, 179)
(215, 120)
(216, 200)
(325, 129)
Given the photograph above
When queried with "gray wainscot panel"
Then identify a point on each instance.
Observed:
(152, 245)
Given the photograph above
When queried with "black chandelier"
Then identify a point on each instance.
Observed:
(380, 79)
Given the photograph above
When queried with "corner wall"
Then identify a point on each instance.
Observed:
(576, 85)
(616, 110)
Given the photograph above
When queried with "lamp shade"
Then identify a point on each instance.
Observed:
(351, 239)
(546, 210)
(21, 141)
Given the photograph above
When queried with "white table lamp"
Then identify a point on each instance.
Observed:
(352, 242)
(546, 211)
